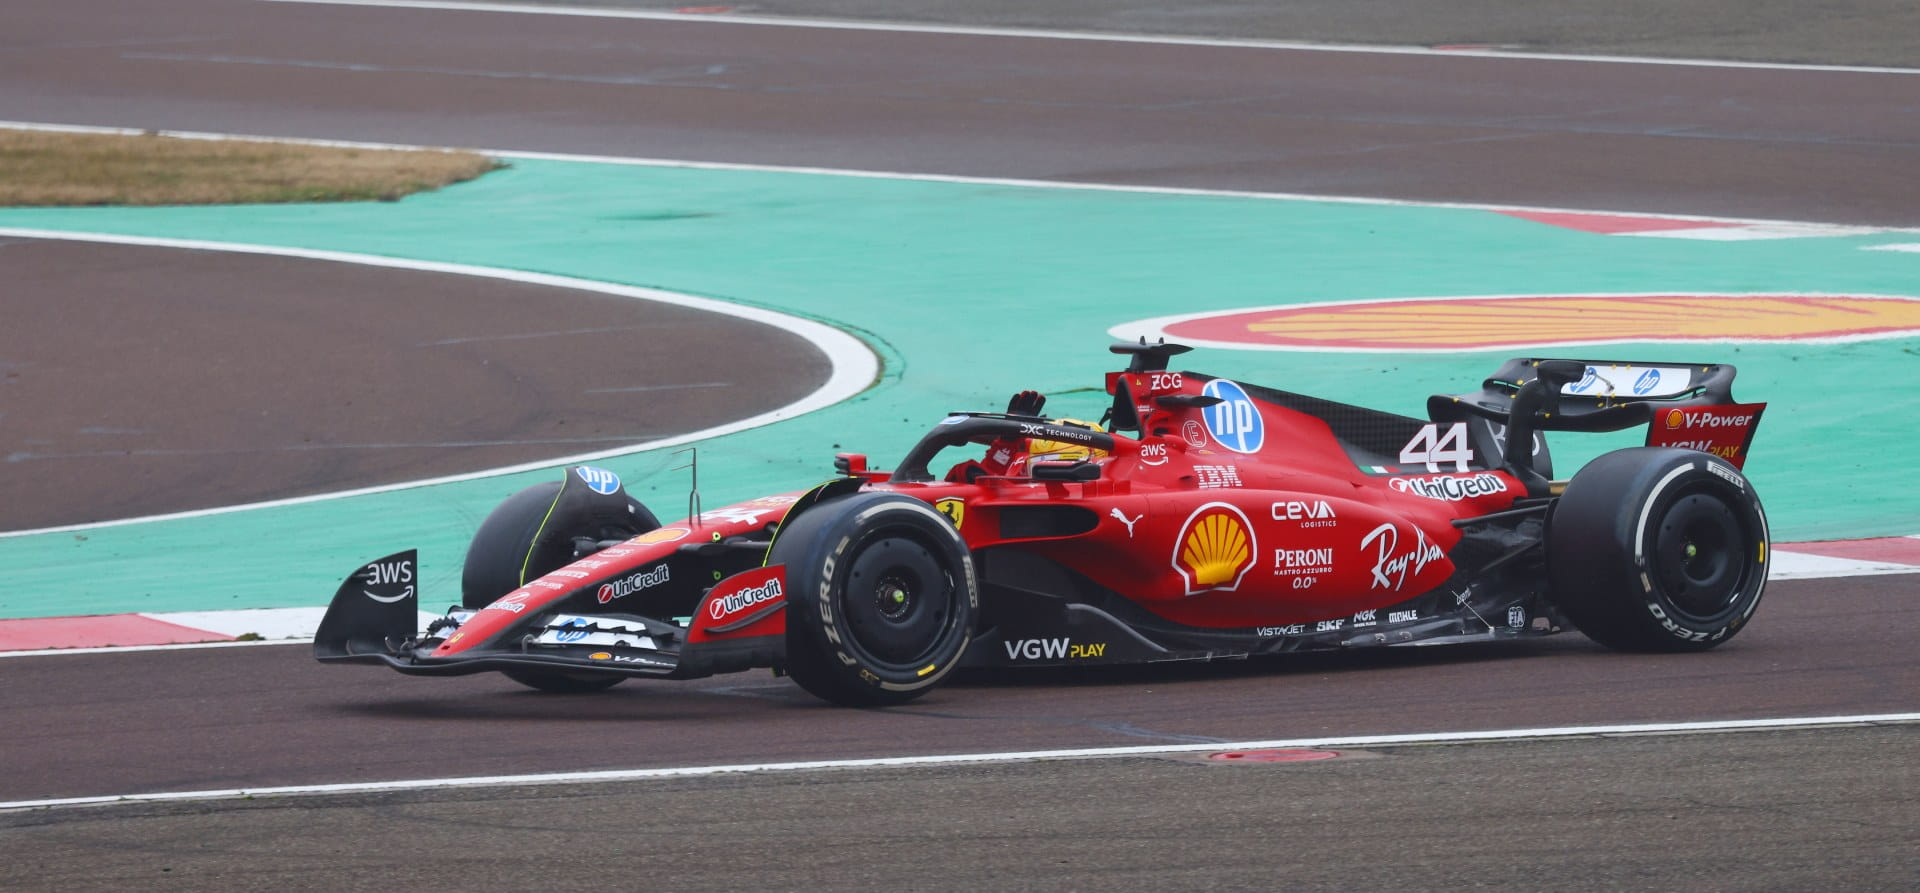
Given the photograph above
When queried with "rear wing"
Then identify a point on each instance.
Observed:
(1683, 405)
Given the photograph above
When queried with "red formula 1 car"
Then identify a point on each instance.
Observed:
(1215, 519)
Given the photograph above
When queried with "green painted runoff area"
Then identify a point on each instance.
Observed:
(969, 292)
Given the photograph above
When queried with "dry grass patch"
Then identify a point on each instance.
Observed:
(42, 168)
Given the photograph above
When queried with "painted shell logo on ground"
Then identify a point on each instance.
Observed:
(1215, 548)
(1511, 321)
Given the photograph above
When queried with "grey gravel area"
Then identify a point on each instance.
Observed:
(1840, 32)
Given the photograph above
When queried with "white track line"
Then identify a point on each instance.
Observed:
(1081, 753)
(1013, 182)
(854, 365)
(1788, 565)
(1051, 34)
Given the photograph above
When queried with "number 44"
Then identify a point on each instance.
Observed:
(1431, 447)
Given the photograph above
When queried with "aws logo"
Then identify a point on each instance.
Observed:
(1487, 322)
(1215, 548)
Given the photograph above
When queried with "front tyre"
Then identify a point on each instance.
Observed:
(881, 598)
(1658, 549)
(533, 532)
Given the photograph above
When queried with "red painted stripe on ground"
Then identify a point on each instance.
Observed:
(32, 634)
(1891, 549)
(1610, 224)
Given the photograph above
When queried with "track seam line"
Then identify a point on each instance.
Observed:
(899, 27)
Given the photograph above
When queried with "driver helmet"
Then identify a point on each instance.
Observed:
(1042, 450)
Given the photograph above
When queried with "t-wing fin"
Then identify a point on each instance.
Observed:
(1148, 357)
(1124, 415)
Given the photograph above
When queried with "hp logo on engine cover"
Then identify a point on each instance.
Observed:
(599, 480)
(1235, 421)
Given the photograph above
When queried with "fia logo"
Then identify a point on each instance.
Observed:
(1235, 421)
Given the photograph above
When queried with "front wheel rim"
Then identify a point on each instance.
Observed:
(897, 601)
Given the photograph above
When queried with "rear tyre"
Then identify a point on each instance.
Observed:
(881, 598)
(526, 536)
(1658, 549)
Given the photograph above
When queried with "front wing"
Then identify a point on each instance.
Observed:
(373, 619)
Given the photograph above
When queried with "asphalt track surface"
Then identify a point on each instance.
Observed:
(1854, 32)
(140, 380)
(266, 716)
(1772, 811)
(1820, 146)
(1758, 810)
(1750, 811)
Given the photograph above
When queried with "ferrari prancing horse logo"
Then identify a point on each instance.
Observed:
(954, 509)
